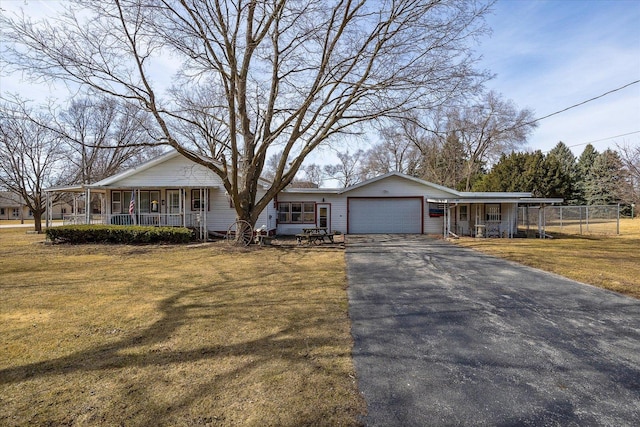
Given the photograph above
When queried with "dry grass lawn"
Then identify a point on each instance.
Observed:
(173, 335)
(610, 262)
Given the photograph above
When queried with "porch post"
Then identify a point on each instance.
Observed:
(103, 206)
(183, 203)
(205, 233)
(136, 213)
(87, 206)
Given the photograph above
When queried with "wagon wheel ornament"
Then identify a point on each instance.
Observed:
(240, 233)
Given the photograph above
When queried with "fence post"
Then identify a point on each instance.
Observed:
(587, 217)
(580, 210)
(560, 209)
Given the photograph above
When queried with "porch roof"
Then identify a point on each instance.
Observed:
(518, 200)
(80, 188)
(150, 187)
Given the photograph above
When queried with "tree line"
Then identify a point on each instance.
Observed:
(593, 178)
(80, 143)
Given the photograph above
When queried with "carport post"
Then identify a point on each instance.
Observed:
(446, 219)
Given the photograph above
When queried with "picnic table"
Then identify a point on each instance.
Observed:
(315, 235)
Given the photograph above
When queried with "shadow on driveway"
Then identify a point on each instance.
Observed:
(448, 336)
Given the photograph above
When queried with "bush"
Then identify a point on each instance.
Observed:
(118, 234)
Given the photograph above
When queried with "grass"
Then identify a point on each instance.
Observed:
(173, 335)
(610, 262)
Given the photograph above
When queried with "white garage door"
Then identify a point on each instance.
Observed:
(392, 215)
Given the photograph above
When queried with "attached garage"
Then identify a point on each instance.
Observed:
(385, 215)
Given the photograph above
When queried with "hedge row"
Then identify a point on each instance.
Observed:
(122, 234)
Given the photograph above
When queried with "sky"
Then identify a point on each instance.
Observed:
(551, 55)
(546, 56)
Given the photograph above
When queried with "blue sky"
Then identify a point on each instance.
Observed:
(547, 56)
(550, 55)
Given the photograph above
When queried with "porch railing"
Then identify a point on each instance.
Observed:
(153, 219)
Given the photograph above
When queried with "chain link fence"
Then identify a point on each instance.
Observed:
(543, 221)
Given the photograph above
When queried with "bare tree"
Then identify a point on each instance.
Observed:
(257, 76)
(395, 152)
(31, 157)
(314, 174)
(630, 156)
(105, 136)
(487, 129)
(348, 171)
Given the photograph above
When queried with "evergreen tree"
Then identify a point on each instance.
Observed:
(583, 169)
(568, 171)
(552, 179)
(605, 183)
(543, 176)
(514, 172)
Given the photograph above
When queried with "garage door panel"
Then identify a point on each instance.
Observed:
(390, 215)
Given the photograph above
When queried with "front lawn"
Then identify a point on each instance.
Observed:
(200, 334)
(610, 262)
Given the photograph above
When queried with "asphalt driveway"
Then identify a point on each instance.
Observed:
(447, 336)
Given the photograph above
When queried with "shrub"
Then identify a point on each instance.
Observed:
(118, 234)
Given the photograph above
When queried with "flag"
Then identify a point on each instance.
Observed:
(132, 203)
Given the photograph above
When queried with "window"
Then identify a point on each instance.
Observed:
(464, 213)
(16, 212)
(1, 211)
(297, 212)
(116, 202)
(144, 201)
(309, 212)
(493, 212)
(197, 198)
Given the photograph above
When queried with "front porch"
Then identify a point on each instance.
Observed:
(150, 206)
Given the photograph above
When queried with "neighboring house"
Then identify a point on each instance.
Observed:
(172, 190)
(13, 207)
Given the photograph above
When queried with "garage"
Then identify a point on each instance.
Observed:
(385, 215)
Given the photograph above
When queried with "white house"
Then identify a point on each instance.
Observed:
(172, 190)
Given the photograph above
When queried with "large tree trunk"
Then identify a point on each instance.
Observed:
(37, 221)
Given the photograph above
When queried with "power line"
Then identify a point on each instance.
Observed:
(599, 140)
(580, 103)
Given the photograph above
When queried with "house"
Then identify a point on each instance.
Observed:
(13, 207)
(172, 190)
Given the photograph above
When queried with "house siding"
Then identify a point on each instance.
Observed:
(173, 173)
(338, 204)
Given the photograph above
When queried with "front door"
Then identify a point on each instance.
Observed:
(324, 216)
